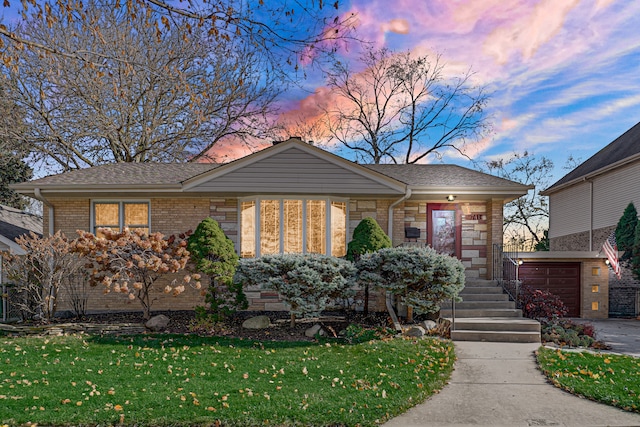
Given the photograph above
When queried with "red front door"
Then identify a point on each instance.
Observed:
(444, 228)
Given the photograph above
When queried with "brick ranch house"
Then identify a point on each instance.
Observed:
(586, 204)
(291, 197)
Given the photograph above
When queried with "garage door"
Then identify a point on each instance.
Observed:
(560, 278)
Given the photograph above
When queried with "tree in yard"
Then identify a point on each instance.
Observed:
(626, 232)
(368, 237)
(291, 33)
(146, 94)
(526, 218)
(132, 262)
(41, 273)
(635, 253)
(307, 283)
(213, 254)
(402, 109)
(13, 170)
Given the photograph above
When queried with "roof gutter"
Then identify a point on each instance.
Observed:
(39, 196)
(407, 194)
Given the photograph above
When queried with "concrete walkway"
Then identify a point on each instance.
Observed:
(498, 384)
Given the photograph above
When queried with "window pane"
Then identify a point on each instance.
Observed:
(293, 226)
(443, 224)
(136, 215)
(107, 215)
(338, 229)
(316, 226)
(248, 223)
(269, 227)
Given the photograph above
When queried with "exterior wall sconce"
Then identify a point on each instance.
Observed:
(451, 198)
(520, 262)
(606, 261)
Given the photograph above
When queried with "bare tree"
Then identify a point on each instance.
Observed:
(288, 32)
(157, 96)
(402, 109)
(527, 218)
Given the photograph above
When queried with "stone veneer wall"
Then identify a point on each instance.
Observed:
(475, 233)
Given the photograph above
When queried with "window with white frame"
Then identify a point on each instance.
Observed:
(293, 225)
(117, 215)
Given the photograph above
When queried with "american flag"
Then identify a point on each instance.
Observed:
(610, 248)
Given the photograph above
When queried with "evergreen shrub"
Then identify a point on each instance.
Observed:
(421, 277)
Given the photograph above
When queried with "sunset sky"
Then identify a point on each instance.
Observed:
(565, 74)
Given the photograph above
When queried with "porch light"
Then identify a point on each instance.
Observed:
(451, 198)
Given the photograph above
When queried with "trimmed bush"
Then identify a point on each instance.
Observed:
(540, 305)
(214, 255)
(421, 277)
(367, 237)
(306, 282)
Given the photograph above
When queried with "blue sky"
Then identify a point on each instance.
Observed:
(565, 74)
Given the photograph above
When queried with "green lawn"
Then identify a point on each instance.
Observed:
(191, 380)
(607, 378)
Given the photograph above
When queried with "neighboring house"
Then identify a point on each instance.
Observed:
(15, 223)
(291, 197)
(586, 204)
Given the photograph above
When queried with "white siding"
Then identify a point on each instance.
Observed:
(612, 193)
(294, 171)
(569, 211)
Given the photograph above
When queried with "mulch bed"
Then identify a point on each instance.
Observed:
(184, 322)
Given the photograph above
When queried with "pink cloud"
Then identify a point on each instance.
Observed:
(526, 34)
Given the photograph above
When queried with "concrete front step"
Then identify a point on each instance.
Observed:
(484, 297)
(482, 290)
(488, 312)
(474, 305)
(496, 336)
(498, 324)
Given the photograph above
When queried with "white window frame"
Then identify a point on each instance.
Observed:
(121, 203)
(281, 199)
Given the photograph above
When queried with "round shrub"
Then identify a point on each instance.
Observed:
(306, 282)
(421, 277)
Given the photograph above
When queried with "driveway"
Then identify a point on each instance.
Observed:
(623, 335)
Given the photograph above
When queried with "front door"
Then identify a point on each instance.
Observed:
(444, 228)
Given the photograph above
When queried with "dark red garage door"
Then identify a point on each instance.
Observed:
(560, 278)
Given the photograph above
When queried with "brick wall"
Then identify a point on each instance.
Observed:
(623, 302)
(168, 216)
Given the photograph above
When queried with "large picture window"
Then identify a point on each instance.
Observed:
(293, 225)
(117, 215)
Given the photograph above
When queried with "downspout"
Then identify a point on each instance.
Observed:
(52, 290)
(48, 204)
(590, 214)
(389, 299)
(393, 205)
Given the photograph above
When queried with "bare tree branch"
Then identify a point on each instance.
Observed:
(402, 109)
(157, 96)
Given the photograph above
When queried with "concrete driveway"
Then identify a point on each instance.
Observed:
(623, 335)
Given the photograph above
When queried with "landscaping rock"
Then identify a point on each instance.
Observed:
(157, 323)
(315, 330)
(258, 322)
(429, 325)
(415, 331)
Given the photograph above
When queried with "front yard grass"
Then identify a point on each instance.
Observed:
(161, 380)
(607, 378)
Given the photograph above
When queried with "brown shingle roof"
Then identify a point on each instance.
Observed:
(441, 176)
(623, 147)
(127, 174)
(15, 223)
